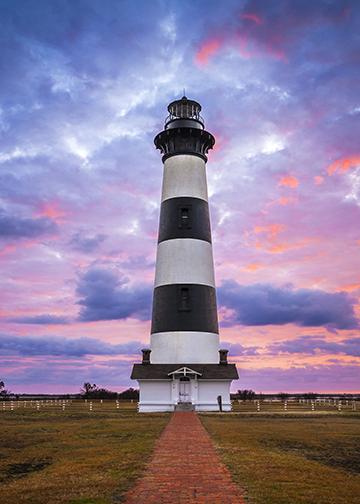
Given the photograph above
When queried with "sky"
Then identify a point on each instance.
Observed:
(83, 91)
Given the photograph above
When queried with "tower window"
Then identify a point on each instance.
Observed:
(184, 218)
(184, 299)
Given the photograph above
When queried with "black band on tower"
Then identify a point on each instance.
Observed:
(184, 307)
(184, 218)
(184, 140)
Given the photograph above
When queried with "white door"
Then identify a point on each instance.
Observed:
(184, 391)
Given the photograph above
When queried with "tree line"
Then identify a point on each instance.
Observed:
(250, 395)
(92, 391)
(88, 391)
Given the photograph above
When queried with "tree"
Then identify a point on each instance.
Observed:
(94, 392)
(87, 389)
(309, 395)
(246, 395)
(130, 393)
(3, 392)
(283, 396)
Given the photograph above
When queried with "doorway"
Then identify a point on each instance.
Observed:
(184, 391)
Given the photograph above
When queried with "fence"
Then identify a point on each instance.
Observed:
(112, 406)
(68, 405)
(296, 405)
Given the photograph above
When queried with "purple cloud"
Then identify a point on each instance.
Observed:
(314, 344)
(59, 346)
(315, 378)
(262, 304)
(12, 226)
(105, 296)
(84, 243)
(72, 373)
(238, 349)
(45, 319)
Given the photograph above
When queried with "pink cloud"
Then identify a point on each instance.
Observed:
(251, 267)
(343, 165)
(208, 49)
(271, 230)
(7, 249)
(251, 16)
(284, 201)
(318, 180)
(52, 210)
(289, 181)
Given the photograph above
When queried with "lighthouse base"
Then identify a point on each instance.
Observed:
(200, 387)
(166, 396)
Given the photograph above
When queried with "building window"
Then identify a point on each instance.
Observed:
(184, 299)
(184, 220)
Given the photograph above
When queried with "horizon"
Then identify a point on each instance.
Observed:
(85, 88)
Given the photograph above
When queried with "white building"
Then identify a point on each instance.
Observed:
(184, 368)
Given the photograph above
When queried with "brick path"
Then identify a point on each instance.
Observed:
(185, 468)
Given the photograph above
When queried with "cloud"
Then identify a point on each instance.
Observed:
(314, 344)
(263, 304)
(105, 296)
(252, 17)
(52, 210)
(343, 165)
(319, 378)
(86, 244)
(238, 349)
(289, 181)
(208, 49)
(45, 319)
(318, 180)
(12, 226)
(50, 376)
(59, 346)
(271, 231)
(137, 262)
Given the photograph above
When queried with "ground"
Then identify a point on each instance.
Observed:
(78, 456)
(291, 460)
(74, 456)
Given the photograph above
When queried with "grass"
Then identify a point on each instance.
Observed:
(74, 456)
(296, 459)
(78, 456)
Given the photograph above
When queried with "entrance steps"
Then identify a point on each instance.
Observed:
(184, 406)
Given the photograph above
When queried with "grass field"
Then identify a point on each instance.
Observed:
(73, 456)
(91, 453)
(293, 459)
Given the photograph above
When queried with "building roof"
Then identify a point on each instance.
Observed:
(205, 371)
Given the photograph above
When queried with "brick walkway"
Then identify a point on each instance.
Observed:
(185, 468)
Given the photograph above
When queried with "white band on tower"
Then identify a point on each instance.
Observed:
(184, 175)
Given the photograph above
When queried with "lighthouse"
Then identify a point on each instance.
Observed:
(184, 368)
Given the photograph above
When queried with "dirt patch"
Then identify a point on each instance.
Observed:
(346, 455)
(20, 470)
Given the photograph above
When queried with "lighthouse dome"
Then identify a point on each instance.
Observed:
(184, 109)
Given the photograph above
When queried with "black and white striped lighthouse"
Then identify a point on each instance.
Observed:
(184, 349)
